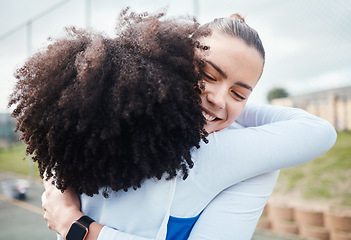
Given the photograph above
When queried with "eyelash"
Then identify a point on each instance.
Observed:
(239, 96)
(208, 77)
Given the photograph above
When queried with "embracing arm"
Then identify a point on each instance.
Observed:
(234, 212)
(274, 138)
(62, 209)
(293, 136)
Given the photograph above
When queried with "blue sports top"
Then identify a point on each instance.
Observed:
(273, 138)
(180, 228)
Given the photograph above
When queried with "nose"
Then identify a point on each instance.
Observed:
(217, 97)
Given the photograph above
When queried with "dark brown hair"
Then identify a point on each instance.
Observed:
(100, 112)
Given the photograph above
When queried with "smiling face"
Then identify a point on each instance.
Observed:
(232, 70)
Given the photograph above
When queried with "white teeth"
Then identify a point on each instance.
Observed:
(208, 117)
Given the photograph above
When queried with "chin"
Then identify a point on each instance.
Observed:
(211, 129)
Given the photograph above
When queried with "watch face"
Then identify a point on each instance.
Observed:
(76, 232)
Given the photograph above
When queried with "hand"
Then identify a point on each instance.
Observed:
(61, 209)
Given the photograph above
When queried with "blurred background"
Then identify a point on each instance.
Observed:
(308, 43)
(308, 65)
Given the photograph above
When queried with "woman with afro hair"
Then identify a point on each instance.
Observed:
(103, 115)
(113, 111)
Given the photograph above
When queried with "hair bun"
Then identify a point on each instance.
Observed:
(235, 16)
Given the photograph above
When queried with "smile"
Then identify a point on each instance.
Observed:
(208, 117)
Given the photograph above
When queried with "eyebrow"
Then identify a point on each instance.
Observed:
(244, 85)
(218, 69)
(223, 74)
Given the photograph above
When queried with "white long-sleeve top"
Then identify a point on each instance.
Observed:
(273, 138)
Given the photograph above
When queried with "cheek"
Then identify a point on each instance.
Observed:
(234, 111)
(202, 97)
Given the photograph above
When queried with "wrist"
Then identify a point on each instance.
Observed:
(94, 231)
(69, 220)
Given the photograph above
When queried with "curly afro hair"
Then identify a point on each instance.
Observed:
(97, 111)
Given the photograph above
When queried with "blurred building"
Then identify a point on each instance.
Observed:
(334, 105)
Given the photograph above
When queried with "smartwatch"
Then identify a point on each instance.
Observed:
(79, 228)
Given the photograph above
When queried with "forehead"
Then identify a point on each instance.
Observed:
(234, 57)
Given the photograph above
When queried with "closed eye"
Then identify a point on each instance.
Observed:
(237, 95)
(208, 77)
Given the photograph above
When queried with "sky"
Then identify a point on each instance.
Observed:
(307, 42)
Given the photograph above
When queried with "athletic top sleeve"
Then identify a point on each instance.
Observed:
(234, 213)
(274, 138)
